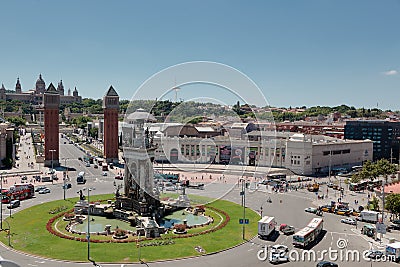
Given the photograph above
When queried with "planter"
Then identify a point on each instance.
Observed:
(179, 232)
(120, 237)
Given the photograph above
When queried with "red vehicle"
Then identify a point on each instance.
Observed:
(18, 191)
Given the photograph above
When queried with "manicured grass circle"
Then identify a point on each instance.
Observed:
(29, 234)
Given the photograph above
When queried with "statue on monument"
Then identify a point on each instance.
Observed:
(81, 196)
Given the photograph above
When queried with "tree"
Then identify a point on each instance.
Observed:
(94, 132)
(368, 171)
(18, 121)
(375, 203)
(392, 203)
(81, 121)
(385, 168)
(355, 178)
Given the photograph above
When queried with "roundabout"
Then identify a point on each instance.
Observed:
(41, 231)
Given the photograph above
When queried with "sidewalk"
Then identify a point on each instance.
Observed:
(26, 165)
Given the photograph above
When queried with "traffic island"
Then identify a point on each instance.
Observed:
(29, 234)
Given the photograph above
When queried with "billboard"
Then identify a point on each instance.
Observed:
(225, 153)
(237, 155)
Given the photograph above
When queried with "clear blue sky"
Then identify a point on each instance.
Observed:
(299, 52)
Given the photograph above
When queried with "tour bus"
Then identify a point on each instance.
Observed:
(17, 191)
(308, 234)
(80, 179)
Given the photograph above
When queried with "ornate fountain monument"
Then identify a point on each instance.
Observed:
(139, 195)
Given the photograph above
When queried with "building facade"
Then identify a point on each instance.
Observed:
(35, 95)
(302, 154)
(384, 134)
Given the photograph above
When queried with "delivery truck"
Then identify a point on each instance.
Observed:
(266, 227)
(369, 216)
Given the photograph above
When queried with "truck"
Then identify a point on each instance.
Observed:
(266, 227)
(369, 216)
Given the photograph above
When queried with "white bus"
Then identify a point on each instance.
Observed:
(308, 234)
(80, 179)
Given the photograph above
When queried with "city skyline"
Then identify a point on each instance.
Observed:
(310, 53)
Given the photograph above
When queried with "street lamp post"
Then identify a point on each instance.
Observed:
(66, 175)
(1, 200)
(244, 206)
(88, 225)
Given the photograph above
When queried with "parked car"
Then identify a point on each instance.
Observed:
(44, 191)
(349, 221)
(287, 229)
(37, 189)
(355, 213)
(279, 248)
(330, 185)
(95, 166)
(326, 208)
(342, 212)
(14, 204)
(67, 186)
(278, 258)
(326, 264)
(119, 177)
(374, 254)
(311, 210)
(170, 188)
(393, 227)
(105, 174)
(87, 164)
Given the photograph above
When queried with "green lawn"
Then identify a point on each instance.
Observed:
(29, 234)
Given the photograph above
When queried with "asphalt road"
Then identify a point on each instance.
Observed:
(285, 207)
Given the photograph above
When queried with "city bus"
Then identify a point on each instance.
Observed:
(356, 168)
(18, 191)
(277, 176)
(308, 234)
(80, 179)
(358, 186)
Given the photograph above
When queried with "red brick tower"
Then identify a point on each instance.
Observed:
(51, 101)
(110, 132)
